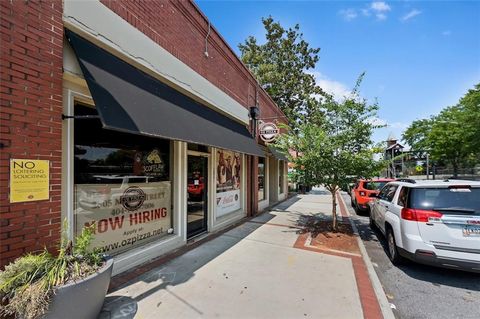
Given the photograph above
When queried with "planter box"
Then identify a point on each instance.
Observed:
(82, 299)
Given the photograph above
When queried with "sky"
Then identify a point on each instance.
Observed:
(419, 56)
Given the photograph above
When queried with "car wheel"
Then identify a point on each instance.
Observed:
(371, 221)
(393, 254)
(358, 210)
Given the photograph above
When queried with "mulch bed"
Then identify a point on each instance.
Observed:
(324, 237)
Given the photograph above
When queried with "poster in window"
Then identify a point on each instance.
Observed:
(228, 182)
(125, 214)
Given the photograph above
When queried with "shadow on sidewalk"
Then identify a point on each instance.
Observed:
(122, 301)
(317, 191)
(312, 223)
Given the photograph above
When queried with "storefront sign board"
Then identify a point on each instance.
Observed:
(268, 132)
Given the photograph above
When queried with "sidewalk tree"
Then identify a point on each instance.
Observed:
(281, 66)
(337, 146)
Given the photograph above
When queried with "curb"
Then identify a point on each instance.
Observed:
(377, 286)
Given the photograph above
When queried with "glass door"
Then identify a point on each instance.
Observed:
(197, 194)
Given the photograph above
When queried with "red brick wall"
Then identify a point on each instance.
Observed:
(31, 95)
(30, 119)
(180, 28)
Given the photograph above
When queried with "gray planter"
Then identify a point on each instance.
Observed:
(82, 299)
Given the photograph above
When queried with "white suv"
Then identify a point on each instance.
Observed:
(431, 222)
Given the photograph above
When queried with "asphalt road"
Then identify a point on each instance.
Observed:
(418, 291)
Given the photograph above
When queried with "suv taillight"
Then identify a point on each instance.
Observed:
(419, 215)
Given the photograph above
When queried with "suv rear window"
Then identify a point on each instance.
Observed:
(447, 200)
(373, 186)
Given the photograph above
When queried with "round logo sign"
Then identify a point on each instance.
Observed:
(133, 198)
(268, 132)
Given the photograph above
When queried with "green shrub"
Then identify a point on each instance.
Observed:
(27, 284)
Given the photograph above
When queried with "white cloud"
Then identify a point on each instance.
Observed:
(447, 33)
(392, 125)
(366, 12)
(380, 6)
(413, 13)
(335, 88)
(398, 125)
(377, 121)
(348, 14)
(378, 9)
(381, 16)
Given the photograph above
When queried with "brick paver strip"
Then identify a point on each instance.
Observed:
(368, 298)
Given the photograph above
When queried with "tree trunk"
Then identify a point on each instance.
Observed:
(455, 169)
(334, 209)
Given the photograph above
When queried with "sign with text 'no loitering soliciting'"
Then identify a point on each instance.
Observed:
(29, 180)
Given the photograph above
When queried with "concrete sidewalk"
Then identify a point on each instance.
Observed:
(255, 270)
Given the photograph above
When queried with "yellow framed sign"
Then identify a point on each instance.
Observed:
(29, 180)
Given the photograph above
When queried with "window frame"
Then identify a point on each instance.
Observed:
(405, 203)
(390, 199)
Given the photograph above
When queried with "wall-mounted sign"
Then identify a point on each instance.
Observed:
(268, 132)
(29, 180)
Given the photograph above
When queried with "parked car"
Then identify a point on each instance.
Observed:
(430, 222)
(195, 188)
(363, 191)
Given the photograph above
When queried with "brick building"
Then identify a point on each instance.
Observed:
(144, 114)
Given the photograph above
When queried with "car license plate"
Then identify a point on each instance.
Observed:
(470, 231)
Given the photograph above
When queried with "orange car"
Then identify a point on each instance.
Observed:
(363, 190)
(195, 188)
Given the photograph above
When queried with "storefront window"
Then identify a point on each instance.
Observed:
(281, 173)
(122, 185)
(229, 166)
(261, 179)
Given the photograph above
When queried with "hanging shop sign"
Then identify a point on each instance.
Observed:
(268, 132)
(29, 180)
(228, 182)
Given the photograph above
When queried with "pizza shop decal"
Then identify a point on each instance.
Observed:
(123, 216)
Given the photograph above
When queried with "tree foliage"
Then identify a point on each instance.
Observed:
(452, 136)
(281, 67)
(338, 147)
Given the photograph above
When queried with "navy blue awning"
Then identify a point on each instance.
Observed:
(278, 154)
(129, 100)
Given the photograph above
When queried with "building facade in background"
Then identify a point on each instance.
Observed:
(133, 117)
